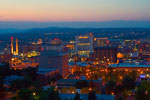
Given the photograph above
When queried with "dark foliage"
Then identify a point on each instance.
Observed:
(91, 95)
(81, 84)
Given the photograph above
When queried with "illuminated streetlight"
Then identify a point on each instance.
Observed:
(34, 93)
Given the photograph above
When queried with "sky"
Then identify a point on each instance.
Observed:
(74, 10)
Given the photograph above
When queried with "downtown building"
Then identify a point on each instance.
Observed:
(55, 44)
(105, 54)
(84, 44)
(101, 42)
(51, 59)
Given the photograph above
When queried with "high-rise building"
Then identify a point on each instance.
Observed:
(55, 44)
(144, 47)
(52, 47)
(5, 57)
(101, 42)
(54, 59)
(32, 47)
(56, 41)
(105, 54)
(84, 44)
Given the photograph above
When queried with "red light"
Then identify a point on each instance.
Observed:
(146, 92)
(56, 39)
(12, 38)
(107, 41)
(42, 49)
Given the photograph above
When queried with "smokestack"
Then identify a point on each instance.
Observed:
(12, 48)
(16, 46)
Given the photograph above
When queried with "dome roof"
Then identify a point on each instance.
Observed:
(120, 55)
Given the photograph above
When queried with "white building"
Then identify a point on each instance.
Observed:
(84, 44)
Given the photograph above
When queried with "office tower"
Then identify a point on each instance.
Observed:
(55, 44)
(105, 54)
(144, 47)
(55, 60)
(56, 41)
(39, 41)
(101, 42)
(84, 44)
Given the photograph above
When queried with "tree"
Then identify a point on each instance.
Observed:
(81, 84)
(1, 83)
(53, 94)
(25, 94)
(110, 86)
(133, 75)
(17, 84)
(91, 84)
(148, 97)
(120, 98)
(13, 98)
(91, 95)
(27, 81)
(128, 83)
(78, 73)
(143, 91)
(31, 72)
(140, 94)
(43, 95)
(37, 84)
(4, 71)
(119, 89)
(54, 78)
(2, 94)
(77, 97)
(109, 74)
(145, 84)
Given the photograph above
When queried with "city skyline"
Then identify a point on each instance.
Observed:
(74, 50)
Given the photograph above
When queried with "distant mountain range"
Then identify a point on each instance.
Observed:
(10, 30)
(20, 26)
(66, 33)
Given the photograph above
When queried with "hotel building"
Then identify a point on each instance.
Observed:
(105, 54)
(84, 44)
(52, 59)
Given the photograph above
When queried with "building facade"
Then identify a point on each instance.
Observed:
(101, 42)
(54, 59)
(105, 54)
(84, 44)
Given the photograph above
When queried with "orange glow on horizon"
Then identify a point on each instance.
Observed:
(73, 10)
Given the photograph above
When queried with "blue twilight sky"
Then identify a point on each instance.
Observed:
(74, 10)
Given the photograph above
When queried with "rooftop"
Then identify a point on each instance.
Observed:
(74, 80)
(45, 70)
(107, 47)
(85, 96)
(52, 53)
(129, 65)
